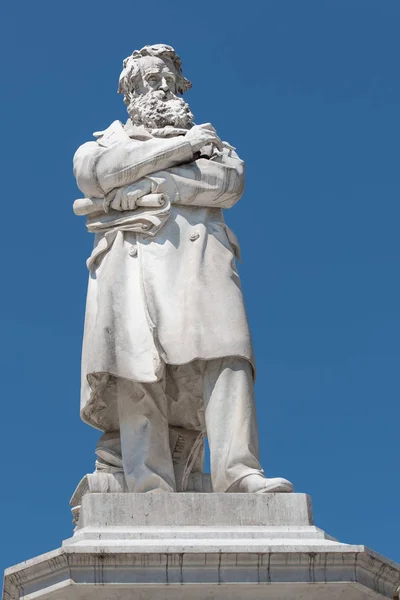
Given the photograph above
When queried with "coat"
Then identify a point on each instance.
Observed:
(169, 296)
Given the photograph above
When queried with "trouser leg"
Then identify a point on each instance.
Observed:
(146, 454)
(231, 422)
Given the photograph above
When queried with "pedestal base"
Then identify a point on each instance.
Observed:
(201, 546)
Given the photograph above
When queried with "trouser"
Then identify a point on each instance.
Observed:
(230, 420)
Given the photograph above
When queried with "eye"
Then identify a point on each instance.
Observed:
(152, 79)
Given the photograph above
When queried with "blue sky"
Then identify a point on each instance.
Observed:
(309, 94)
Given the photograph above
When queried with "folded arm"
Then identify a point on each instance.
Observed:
(98, 170)
(218, 182)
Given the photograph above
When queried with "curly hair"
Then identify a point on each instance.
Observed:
(131, 71)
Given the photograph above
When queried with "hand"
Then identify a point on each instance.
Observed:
(203, 135)
(126, 197)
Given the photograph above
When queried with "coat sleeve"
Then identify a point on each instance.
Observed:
(98, 170)
(218, 182)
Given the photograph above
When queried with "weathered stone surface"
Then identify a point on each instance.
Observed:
(165, 546)
(204, 510)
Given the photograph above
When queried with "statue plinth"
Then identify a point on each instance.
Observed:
(201, 546)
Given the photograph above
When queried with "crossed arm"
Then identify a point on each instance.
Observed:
(169, 165)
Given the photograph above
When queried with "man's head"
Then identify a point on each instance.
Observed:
(151, 80)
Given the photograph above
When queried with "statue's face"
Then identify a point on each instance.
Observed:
(156, 102)
(156, 76)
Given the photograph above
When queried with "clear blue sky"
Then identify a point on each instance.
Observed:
(308, 91)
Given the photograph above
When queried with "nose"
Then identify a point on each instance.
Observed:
(164, 85)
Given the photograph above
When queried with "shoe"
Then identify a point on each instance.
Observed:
(257, 484)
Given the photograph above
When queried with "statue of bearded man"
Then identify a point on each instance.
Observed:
(167, 351)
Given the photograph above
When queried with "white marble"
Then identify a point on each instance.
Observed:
(166, 339)
(200, 510)
(194, 546)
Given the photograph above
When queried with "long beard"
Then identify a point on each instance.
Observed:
(154, 110)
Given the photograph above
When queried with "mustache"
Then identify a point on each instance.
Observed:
(164, 96)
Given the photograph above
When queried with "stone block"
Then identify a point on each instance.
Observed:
(202, 547)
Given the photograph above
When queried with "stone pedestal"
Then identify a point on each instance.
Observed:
(201, 546)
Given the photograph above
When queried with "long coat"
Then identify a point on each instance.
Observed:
(168, 296)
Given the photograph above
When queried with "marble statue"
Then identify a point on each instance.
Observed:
(167, 355)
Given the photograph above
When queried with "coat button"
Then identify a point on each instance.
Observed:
(194, 236)
(132, 251)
